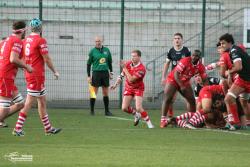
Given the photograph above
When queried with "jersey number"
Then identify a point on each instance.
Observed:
(27, 49)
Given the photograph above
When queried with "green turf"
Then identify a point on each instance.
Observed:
(98, 141)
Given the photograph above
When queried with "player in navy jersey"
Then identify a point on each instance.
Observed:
(174, 55)
(241, 84)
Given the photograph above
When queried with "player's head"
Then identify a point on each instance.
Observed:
(136, 56)
(36, 25)
(220, 50)
(226, 41)
(196, 55)
(19, 28)
(197, 79)
(178, 39)
(98, 42)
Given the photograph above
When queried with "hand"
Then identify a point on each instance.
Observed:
(29, 68)
(111, 75)
(56, 74)
(89, 79)
(229, 80)
(122, 63)
(182, 89)
(112, 87)
(163, 82)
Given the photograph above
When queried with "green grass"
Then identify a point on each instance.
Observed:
(98, 141)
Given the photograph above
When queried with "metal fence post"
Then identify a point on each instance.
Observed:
(154, 81)
(121, 46)
(41, 11)
(203, 27)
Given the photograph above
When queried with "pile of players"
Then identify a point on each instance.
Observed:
(220, 103)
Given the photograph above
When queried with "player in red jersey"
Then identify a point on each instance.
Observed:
(36, 54)
(10, 60)
(179, 80)
(134, 71)
(241, 84)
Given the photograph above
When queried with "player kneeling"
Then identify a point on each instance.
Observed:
(134, 71)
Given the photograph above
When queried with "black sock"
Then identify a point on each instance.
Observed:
(106, 103)
(92, 104)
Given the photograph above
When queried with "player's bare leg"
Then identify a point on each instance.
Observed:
(189, 96)
(4, 109)
(140, 109)
(169, 93)
(231, 104)
(246, 118)
(126, 101)
(105, 93)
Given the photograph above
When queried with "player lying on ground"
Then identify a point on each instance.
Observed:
(134, 71)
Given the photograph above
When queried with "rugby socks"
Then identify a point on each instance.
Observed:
(181, 123)
(198, 120)
(163, 118)
(106, 103)
(20, 121)
(233, 117)
(185, 116)
(145, 117)
(248, 122)
(92, 105)
(197, 117)
(46, 123)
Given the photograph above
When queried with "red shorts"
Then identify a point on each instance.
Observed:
(173, 82)
(7, 87)
(35, 83)
(133, 92)
(243, 84)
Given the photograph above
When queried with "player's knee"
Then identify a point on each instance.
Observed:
(230, 98)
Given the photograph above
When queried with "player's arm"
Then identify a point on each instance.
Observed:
(177, 79)
(130, 78)
(14, 58)
(178, 70)
(223, 70)
(237, 63)
(118, 81)
(164, 71)
(47, 59)
(203, 74)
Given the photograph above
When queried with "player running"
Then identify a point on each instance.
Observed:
(36, 54)
(134, 71)
(175, 54)
(10, 60)
(179, 80)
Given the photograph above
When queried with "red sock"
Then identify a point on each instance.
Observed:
(144, 116)
(195, 117)
(181, 123)
(20, 121)
(163, 119)
(170, 111)
(184, 116)
(130, 110)
(234, 112)
(46, 123)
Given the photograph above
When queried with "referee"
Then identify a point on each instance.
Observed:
(101, 61)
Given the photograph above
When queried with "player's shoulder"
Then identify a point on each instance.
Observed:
(186, 49)
(142, 66)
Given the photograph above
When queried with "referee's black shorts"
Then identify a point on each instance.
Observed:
(100, 79)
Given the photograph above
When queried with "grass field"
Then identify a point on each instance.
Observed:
(99, 141)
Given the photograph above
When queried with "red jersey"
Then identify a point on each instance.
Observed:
(187, 70)
(34, 48)
(8, 70)
(139, 72)
(225, 60)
